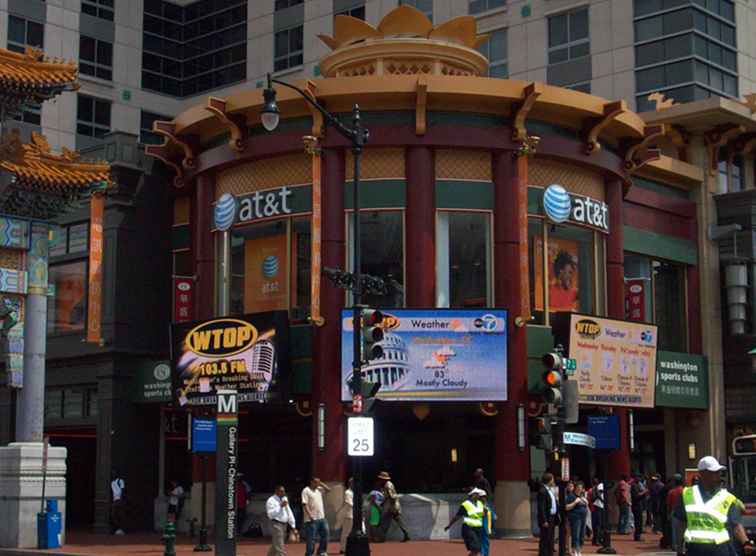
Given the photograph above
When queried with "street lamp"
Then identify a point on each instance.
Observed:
(357, 543)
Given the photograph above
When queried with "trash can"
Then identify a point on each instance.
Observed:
(49, 526)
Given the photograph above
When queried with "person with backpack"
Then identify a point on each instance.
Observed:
(596, 505)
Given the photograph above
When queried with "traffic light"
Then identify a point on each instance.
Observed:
(551, 386)
(372, 334)
(366, 392)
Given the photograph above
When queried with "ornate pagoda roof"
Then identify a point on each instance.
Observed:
(31, 77)
(45, 184)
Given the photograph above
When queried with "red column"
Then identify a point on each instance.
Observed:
(695, 342)
(510, 176)
(420, 222)
(202, 244)
(619, 460)
(330, 464)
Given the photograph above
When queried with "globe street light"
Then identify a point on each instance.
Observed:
(357, 543)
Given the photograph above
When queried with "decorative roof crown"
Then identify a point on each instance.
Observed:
(404, 43)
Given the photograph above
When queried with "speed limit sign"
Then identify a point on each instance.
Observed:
(360, 437)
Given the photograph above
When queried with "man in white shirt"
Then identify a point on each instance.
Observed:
(175, 499)
(118, 491)
(279, 512)
(314, 517)
(347, 515)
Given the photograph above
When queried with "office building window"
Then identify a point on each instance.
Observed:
(192, 49)
(289, 45)
(146, 135)
(358, 12)
(425, 6)
(92, 117)
(495, 49)
(480, 6)
(283, 4)
(23, 33)
(568, 36)
(96, 58)
(103, 9)
(685, 49)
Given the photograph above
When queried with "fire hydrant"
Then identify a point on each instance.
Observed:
(169, 538)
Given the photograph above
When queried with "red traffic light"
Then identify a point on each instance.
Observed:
(371, 317)
(552, 378)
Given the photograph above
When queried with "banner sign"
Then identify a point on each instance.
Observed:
(183, 298)
(561, 206)
(435, 355)
(94, 301)
(248, 354)
(152, 382)
(635, 300)
(616, 361)
(266, 275)
(682, 380)
(579, 439)
(226, 463)
(203, 435)
(315, 241)
(605, 429)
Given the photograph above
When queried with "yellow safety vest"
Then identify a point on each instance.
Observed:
(707, 521)
(474, 517)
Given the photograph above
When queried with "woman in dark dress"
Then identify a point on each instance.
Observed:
(576, 505)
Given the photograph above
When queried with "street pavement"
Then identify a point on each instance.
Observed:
(85, 544)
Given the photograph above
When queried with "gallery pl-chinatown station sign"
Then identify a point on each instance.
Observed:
(247, 354)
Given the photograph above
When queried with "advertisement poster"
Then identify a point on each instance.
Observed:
(563, 274)
(248, 354)
(94, 306)
(266, 274)
(183, 298)
(682, 380)
(435, 355)
(68, 311)
(635, 300)
(616, 361)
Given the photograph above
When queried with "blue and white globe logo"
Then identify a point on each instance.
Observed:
(557, 203)
(270, 266)
(225, 212)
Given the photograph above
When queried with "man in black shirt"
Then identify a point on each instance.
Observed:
(480, 481)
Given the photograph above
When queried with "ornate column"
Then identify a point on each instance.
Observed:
(619, 460)
(512, 495)
(420, 227)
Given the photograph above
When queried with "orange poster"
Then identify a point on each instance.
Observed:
(266, 274)
(315, 243)
(562, 259)
(94, 306)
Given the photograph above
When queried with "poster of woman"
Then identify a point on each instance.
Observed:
(563, 276)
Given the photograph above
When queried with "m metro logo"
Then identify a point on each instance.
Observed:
(221, 337)
(588, 328)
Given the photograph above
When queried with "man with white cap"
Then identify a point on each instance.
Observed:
(712, 516)
(471, 511)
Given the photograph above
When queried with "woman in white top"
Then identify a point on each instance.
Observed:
(346, 514)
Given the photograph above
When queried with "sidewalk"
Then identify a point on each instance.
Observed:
(86, 544)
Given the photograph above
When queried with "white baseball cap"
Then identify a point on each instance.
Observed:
(709, 463)
(478, 491)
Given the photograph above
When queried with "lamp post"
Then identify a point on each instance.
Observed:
(357, 543)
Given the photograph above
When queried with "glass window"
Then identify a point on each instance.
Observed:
(283, 4)
(53, 403)
(478, 6)
(93, 117)
(289, 45)
(98, 8)
(73, 403)
(23, 33)
(495, 49)
(463, 265)
(146, 135)
(96, 58)
(67, 303)
(358, 12)
(383, 259)
(425, 6)
(568, 36)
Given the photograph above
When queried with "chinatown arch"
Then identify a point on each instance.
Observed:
(442, 137)
(37, 186)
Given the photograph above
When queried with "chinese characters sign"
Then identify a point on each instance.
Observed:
(183, 299)
(682, 380)
(635, 300)
(616, 361)
(94, 307)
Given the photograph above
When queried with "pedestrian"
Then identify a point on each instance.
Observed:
(346, 515)
(480, 481)
(314, 517)
(375, 502)
(655, 489)
(638, 493)
(712, 516)
(576, 505)
(676, 526)
(547, 515)
(489, 517)
(281, 518)
(243, 493)
(597, 501)
(622, 495)
(392, 509)
(175, 501)
(471, 512)
(118, 505)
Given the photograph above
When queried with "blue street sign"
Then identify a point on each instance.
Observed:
(605, 429)
(203, 435)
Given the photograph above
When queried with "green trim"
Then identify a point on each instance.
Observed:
(460, 194)
(661, 188)
(540, 340)
(181, 237)
(377, 194)
(535, 198)
(285, 125)
(471, 119)
(660, 246)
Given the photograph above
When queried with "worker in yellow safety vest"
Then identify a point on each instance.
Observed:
(712, 516)
(471, 513)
